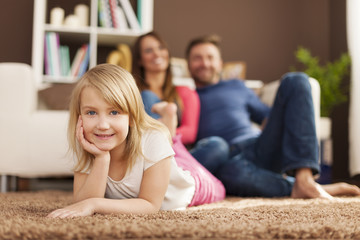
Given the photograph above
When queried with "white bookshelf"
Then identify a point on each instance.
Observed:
(92, 34)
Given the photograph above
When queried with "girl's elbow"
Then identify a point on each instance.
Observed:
(153, 207)
(154, 210)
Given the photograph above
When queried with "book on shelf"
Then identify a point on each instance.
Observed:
(101, 20)
(139, 13)
(78, 59)
(121, 19)
(65, 60)
(113, 6)
(118, 14)
(118, 17)
(85, 62)
(52, 46)
(145, 17)
(56, 48)
(130, 14)
(105, 19)
(52, 54)
(47, 57)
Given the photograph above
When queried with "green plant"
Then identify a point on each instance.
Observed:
(330, 77)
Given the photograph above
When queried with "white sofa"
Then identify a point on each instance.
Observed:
(33, 142)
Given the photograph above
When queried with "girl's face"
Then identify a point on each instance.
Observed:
(154, 56)
(104, 126)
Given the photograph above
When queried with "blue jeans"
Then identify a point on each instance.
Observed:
(287, 143)
(149, 99)
(211, 152)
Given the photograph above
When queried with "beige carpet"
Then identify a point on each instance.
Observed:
(22, 216)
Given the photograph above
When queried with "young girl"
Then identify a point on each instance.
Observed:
(125, 160)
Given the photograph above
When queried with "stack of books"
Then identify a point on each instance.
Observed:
(57, 58)
(117, 14)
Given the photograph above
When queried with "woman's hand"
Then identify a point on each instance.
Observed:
(79, 209)
(88, 146)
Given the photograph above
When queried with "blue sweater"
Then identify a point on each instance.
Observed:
(228, 109)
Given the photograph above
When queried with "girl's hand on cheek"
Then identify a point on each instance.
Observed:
(88, 146)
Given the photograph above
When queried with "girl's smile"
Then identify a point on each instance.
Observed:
(104, 136)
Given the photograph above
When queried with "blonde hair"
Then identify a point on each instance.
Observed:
(119, 90)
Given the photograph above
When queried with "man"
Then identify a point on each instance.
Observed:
(286, 145)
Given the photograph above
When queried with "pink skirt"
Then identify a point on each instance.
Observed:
(208, 188)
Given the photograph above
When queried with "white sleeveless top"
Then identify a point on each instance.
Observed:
(155, 147)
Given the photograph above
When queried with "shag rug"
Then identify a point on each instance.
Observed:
(23, 216)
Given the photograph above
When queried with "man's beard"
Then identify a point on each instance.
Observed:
(208, 79)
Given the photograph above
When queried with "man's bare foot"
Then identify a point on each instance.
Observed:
(342, 188)
(167, 111)
(306, 187)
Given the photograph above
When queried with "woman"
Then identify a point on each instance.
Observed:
(152, 71)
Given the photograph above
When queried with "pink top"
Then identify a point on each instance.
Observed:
(188, 127)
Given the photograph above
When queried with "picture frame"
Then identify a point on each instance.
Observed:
(234, 69)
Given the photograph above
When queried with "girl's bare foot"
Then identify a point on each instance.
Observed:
(167, 111)
(306, 187)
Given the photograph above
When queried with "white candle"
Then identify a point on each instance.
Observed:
(82, 12)
(72, 21)
(57, 16)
